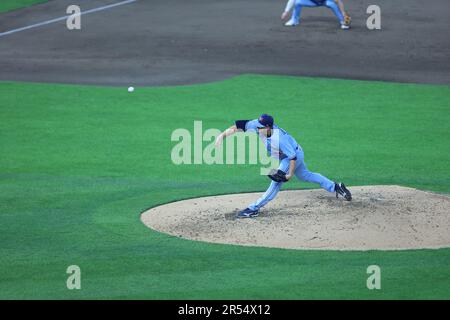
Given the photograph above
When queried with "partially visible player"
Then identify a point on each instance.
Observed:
(335, 5)
(282, 146)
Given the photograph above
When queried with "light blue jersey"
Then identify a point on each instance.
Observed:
(280, 144)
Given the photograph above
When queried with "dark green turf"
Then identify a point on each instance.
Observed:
(79, 163)
(8, 5)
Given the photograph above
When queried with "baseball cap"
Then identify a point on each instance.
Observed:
(265, 120)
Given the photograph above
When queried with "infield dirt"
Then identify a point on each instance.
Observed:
(378, 217)
(160, 42)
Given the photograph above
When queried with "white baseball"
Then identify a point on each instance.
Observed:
(130, 89)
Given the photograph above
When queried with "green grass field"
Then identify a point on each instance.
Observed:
(8, 5)
(80, 163)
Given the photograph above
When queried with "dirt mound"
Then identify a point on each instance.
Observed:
(379, 217)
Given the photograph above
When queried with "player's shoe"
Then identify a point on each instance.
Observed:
(291, 23)
(345, 27)
(248, 213)
(342, 191)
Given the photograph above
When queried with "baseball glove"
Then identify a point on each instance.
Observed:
(347, 20)
(277, 176)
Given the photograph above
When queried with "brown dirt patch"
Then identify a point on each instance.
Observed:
(379, 217)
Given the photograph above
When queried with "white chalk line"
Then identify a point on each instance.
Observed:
(66, 17)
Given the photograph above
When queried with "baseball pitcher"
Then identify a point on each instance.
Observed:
(282, 146)
(335, 5)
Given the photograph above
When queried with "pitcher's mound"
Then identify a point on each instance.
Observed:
(378, 217)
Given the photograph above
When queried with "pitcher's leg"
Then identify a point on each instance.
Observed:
(270, 193)
(304, 174)
(273, 189)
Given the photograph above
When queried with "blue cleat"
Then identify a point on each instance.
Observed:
(248, 213)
